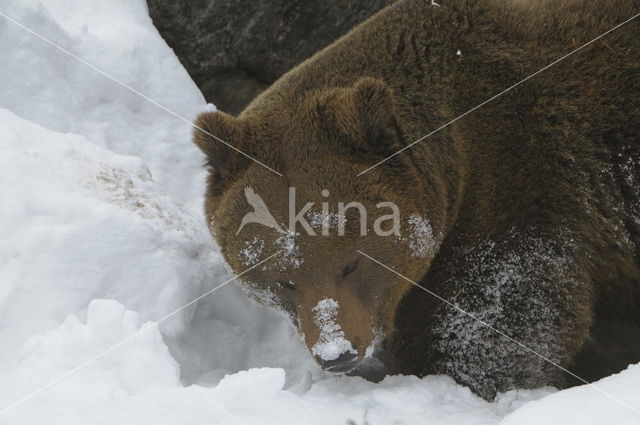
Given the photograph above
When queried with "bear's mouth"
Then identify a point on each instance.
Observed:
(345, 362)
(370, 367)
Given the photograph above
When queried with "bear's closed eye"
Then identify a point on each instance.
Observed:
(287, 284)
(350, 268)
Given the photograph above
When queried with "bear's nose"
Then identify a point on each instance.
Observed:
(344, 363)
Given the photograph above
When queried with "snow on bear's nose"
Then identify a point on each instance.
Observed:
(332, 350)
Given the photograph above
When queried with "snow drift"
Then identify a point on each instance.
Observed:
(101, 236)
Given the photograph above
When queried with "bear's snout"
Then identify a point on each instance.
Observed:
(344, 363)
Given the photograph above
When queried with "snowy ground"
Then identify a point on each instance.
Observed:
(101, 235)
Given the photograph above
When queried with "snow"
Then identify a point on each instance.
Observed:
(46, 86)
(331, 341)
(418, 237)
(290, 256)
(326, 221)
(252, 251)
(586, 404)
(209, 107)
(102, 242)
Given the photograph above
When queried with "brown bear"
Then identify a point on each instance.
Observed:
(501, 250)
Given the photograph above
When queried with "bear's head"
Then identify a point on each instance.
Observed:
(294, 190)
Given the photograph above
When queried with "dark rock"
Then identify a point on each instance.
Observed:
(233, 49)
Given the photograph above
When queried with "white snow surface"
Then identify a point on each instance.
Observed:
(102, 241)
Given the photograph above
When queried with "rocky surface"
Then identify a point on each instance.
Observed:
(233, 49)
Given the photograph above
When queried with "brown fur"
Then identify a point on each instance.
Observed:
(534, 198)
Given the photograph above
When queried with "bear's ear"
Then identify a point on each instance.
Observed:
(221, 138)
(366, 111)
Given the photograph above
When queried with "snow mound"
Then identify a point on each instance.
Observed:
(46, 86)
(586, 405)
(80, 222)
(140, 365)
(137, 382)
